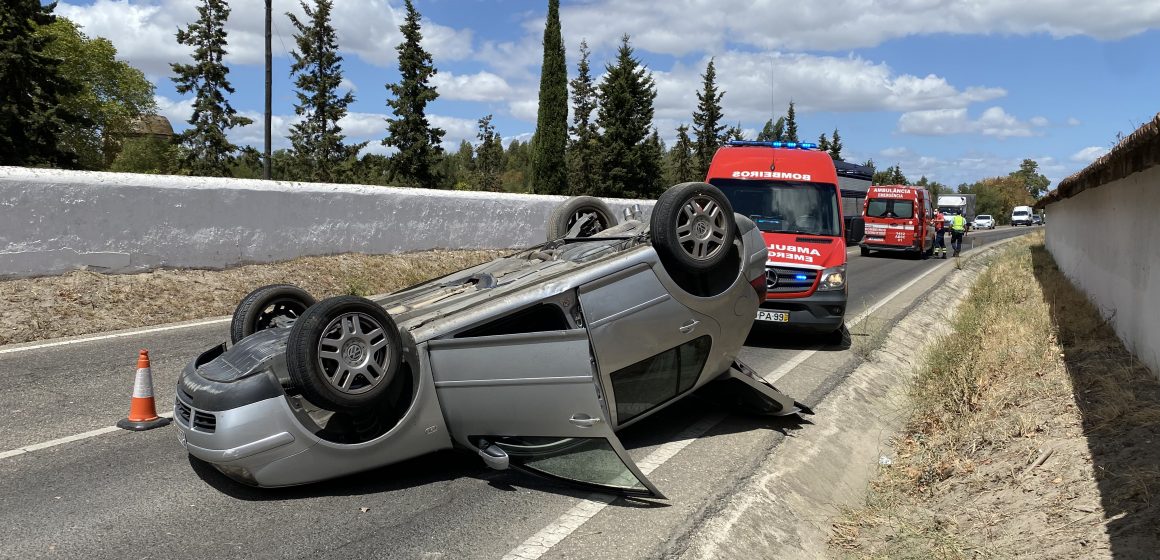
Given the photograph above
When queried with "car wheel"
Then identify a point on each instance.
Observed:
(276, 305)
(343, 353)
(693, 225)
(595, 214)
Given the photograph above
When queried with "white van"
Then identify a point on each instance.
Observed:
(1021, 216)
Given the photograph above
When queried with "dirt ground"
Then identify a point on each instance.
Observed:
(87, 302)
(1034, 434)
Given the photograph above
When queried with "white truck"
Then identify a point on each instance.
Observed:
(956, 205)
(1022, 216)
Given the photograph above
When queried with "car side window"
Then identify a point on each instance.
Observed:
(653, 381)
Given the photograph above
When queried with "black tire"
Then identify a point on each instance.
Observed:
(267, 307)
(365, 371)
(705, 213)
(864, 251)
(566, 215)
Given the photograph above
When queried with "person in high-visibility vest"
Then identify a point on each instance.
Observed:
(940, 231)
(958, 228)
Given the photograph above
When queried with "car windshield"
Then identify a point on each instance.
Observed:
(983, 217)
(889, 208)
(785, 206)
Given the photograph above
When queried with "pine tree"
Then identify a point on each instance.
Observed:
(488, 157)
(626, 96)
(583, 149)
(317, 140)
(207, 150)
(823, 142)
(766, 134)
(549, 168)
(779, 130)
(681, 164)
(791, 131)
(707, 126)
(836, 146)
(32, 116)
(417, 141)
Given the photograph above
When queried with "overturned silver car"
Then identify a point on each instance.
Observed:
(531, 361)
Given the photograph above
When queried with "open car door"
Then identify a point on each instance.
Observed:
(531, 401)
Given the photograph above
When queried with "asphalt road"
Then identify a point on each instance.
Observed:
(137, 495)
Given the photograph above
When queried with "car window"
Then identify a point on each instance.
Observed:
(653, 381)
(583, 460)
(889, 208)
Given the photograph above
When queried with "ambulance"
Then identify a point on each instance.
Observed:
(898, 218)
(790, 190)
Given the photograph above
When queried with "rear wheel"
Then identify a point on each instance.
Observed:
(590, 213)
(276, 305)
(343, 353)
(693, 226)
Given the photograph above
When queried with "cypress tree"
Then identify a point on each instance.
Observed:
(791, 134)
(583, 154)
(766, 134)
(625, 116)
(317, 140)
(836, 146)
(779, 130)
(823, 142)
(488, 157)
(414, 165)
(207, 149)
(549, 169)
(32, 116)
(707, 126)
(654, 156)
(681, 165)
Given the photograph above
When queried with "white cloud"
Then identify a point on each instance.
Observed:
(752, 81)
(690, 26)
(941, 122)
(144, 32)
(1088, 154)
(482, 86)
(1039, 121)
(1072, 121)
(963, 168)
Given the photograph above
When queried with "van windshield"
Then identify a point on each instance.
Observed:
(1019, 213)
(785, 206)
(889, 208)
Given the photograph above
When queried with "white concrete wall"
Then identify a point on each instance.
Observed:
(1107, 240)
(52, 221)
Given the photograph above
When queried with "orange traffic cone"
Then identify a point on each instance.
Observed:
(142, 411)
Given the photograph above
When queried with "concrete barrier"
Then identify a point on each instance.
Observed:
(53, 221)
(1103, 225)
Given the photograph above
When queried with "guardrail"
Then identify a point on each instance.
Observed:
(54, 221)
(1103, 231)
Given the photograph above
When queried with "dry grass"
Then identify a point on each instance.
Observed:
(87, 302)
(1027, 436)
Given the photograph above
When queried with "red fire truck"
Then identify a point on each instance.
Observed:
(898, 218)
(790, 190)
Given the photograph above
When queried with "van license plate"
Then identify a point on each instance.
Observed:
(775, 316)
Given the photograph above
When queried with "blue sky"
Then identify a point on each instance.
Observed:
(954, 90)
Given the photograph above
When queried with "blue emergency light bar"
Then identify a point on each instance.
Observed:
(754, 143)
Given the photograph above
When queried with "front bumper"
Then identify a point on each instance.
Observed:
(261, 439)
(820, 312)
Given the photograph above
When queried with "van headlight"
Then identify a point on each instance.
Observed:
(833, 279)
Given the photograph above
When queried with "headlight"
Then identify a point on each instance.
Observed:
(833, 279)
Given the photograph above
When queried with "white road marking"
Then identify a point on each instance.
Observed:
(543, 541)
(122, 334)
(67, 439)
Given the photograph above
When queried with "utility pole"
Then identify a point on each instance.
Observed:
(269, 87)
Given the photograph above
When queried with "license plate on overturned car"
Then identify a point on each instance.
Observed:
(775, 316)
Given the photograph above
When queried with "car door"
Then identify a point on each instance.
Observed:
(650, 348)
(532, 401)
